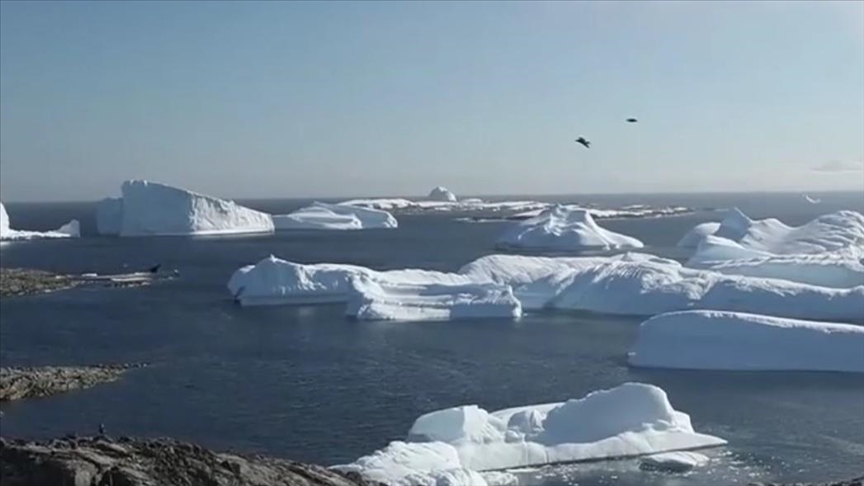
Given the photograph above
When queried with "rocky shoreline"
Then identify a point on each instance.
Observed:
(19, 282)
(151, 462)
(20, 383)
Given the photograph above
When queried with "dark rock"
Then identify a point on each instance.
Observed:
(103, 462)
(18, 383)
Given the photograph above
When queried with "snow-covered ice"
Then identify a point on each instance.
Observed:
(699, 232)
(321, 216)
(465, 205)
(627, 284)
(150, 209)
(632, 419)
(441, 194)
(276, 281)
(633, 211)
(678, 461)
(72, 229)
(711, 340)
(564, 229)
(828, 250)
(829, 232)
(377, 299)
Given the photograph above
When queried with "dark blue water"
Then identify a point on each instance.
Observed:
(309, 384)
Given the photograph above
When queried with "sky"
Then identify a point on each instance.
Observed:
(317, 99)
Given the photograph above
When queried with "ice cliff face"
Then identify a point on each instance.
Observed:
(150, 209)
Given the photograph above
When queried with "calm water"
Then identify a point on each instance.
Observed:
(309, 384)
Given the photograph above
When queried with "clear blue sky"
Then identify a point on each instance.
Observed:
(297, 99)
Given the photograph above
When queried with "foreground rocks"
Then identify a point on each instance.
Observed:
(20, 281)
(131, 462)
(18, 383)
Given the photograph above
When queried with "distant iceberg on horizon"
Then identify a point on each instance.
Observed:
(561, 228)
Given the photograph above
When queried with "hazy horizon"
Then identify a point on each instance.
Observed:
(330, 100)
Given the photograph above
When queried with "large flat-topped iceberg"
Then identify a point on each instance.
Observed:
(72, 229)
(379, 299)
(710, 340)
(151, 209)
(564, 229)
(632, 419)
(321, 216)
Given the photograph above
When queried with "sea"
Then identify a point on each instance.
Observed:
(309, 384)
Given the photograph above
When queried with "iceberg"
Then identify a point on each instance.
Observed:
(711, 340)
(830, 232)
(633, 284)
(274, 281)
(441, 194)
(696, 235)
(321, 216)
(109, 216)
(827, 251)
(374, 299)
(561, 228)
(679, 461)
(72, 229)
(153, 209)
(630, 420)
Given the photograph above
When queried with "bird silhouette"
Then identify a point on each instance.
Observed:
(632, 120)
(156, 268)
(583, 142)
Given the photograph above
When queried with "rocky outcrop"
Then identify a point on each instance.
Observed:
(18, 383)
(160, 462)
(20, 281)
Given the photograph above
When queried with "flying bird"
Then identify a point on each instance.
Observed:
(632, 120)
(583, 142)
(812, 200)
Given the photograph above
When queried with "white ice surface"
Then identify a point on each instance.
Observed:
(627, 284)
(632, 419)
(827, 251)
(321, 216)
(466, 205)
(151, 209)
(711, 340)
(562, 228)
(678, 461)
(441, 194)
(696, 235)
(375, 298)
(72, 229)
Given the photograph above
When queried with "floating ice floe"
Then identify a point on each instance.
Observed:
(827, 251)
(679, 461)
(321, 216)
(696, 235)
(72, 229)
(441, 194)
(711, 340)
(564, 229)
(151, 209)
(626, 212)
(630, 420)
(628, 284)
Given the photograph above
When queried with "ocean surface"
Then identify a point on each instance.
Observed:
(309, 384)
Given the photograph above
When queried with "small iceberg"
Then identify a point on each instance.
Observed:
(696, 235)
(564, 229)
(630, 420)
(72, 229)
(673, 462)
(373, 299)
(153, 209)
(441, 194)
(713, 340)
(321, 216)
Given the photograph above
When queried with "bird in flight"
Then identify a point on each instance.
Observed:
(583, 142)
(632, 120)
